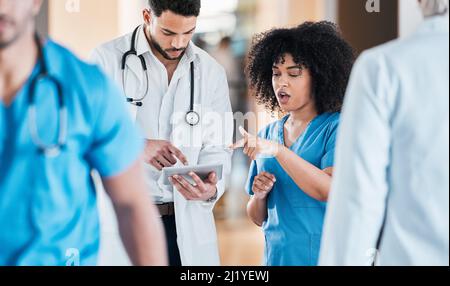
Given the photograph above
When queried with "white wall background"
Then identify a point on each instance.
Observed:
(331, 7)
(130, 14)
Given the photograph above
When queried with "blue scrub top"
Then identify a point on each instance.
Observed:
(48, 205)
(293, 228)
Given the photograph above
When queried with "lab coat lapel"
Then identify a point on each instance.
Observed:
(133, 77)
(185, 137)
(133, 69)
(197, 237)
(134, 65)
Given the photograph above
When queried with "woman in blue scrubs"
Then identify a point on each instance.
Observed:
(302, 72)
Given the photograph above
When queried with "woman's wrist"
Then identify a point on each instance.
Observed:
(260, 197)
(280, 151)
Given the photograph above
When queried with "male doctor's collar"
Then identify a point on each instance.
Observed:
(192, 118)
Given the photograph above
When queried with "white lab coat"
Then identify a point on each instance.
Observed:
(392, 157)
(163, 118)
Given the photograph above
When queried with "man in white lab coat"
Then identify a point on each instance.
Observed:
(179, 97)
(390, 196)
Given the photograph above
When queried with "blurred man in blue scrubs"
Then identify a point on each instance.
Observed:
(390, 195)
(59, 119)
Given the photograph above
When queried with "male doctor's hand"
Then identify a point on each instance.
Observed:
(161, 154)
(201, 191)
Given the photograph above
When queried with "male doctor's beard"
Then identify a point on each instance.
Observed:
(164, 52)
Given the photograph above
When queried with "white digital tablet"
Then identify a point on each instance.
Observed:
(202, 171)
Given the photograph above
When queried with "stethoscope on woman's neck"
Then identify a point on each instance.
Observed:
(54, 149)
(192, 118)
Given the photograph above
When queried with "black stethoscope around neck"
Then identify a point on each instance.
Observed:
(52, 149)
(192, 118)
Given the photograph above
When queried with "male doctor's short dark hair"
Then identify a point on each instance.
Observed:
(185, 8)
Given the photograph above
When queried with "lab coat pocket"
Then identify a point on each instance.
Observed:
(205, 228)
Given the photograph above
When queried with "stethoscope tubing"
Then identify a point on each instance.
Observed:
(192, 118)
(53, 149)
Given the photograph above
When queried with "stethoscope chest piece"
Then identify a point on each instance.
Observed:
(192, 118)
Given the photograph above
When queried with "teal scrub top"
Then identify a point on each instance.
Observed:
(293, 228)
(48, 205)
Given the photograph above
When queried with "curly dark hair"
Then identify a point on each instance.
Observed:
(180, 7)
(318, 47)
